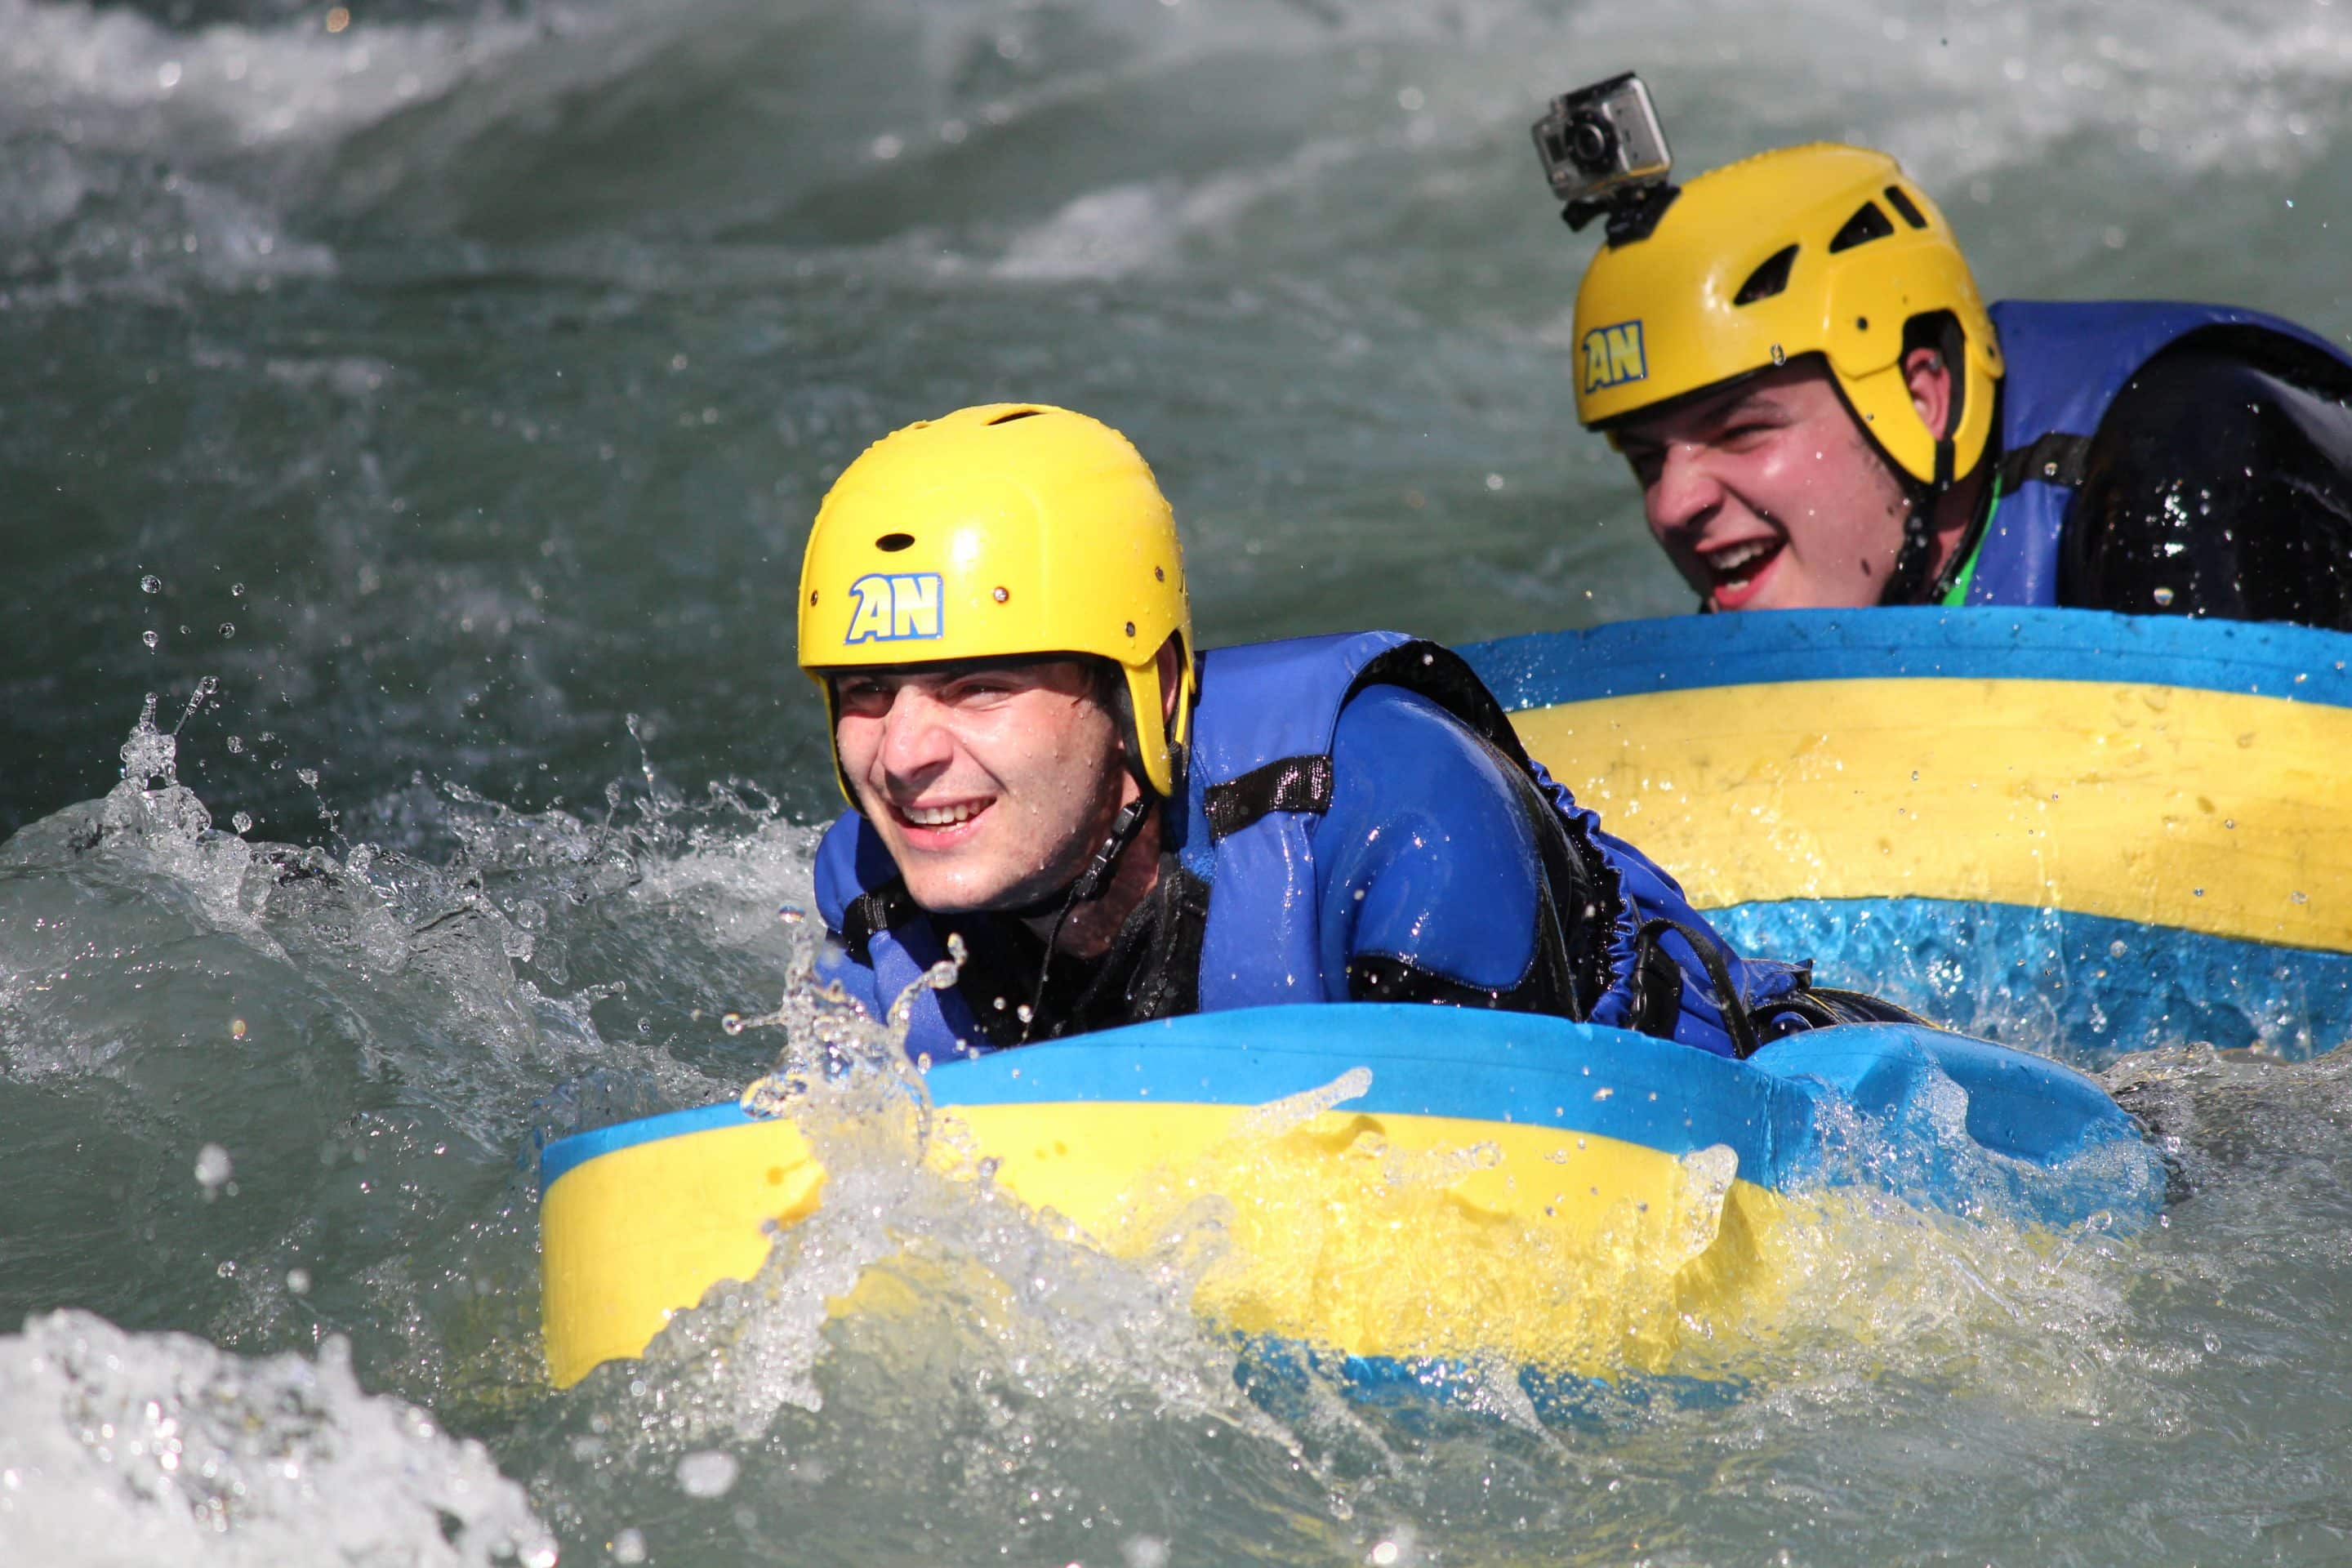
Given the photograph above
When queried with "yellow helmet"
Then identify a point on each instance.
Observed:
(1823, 249)
(998, 532)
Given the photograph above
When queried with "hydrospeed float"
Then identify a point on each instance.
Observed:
(2102, 833)
(2066, 830)
(1394, 1183)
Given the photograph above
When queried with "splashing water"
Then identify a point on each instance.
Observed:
(171, 1451)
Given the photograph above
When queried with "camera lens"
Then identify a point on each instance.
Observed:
(1592, 145)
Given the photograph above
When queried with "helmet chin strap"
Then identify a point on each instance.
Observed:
(1090, 885)
(1918, 549)
(1915, 560)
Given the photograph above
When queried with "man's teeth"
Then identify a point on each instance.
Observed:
(944, 816)
(1735, 561)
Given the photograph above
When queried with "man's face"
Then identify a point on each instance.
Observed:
(1768, 496)
(990, 783)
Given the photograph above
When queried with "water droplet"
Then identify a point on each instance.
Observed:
(213, 1166)
(1780, 354)
(307, 776)
(151, 583)
(2300, 897)
(152, 639)
(732, 1023)
(629, 1546)
(2164, 596)
(2116, 950)
(791, 914)
(236, 1030)
(708, 1474)
(236, 744)
(228, 629)
(237, 590)
(227, 1270)
(298, 1282)
(1022, 1013)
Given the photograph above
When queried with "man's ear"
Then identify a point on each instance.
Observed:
(1929, 379)
(1170, 660)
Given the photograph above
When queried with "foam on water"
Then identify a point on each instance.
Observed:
(158, 1447)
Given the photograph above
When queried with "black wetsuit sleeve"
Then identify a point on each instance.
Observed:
(2219, 484)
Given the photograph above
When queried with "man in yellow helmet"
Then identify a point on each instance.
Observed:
(1791, 352)
(994, 605)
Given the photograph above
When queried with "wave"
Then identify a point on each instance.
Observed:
(1047, 142)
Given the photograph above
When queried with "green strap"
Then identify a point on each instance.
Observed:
(1958, 595)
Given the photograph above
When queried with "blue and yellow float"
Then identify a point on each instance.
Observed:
(2149, 811)
(2080, 832)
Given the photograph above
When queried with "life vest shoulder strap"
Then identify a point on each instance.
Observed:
(1302, 783)
(1286, 784)
(2053, 459)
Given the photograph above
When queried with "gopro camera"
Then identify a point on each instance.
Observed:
(1605, 152)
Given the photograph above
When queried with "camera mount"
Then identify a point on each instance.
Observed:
(1606, 156)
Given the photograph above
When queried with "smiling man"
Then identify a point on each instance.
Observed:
(1821, 412)
(994, 606)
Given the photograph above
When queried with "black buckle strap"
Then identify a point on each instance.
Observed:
(887, 905)
(1287, 784)
(2054, 459)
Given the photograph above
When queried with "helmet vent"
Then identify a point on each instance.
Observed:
(1769, 279)
(1866, 224)
(1902, 202)
(894, 542)
(1016, 414)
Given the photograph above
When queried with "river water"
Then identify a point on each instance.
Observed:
(426, 402)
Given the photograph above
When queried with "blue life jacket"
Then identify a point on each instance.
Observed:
(1257, 781)
(2066, 363)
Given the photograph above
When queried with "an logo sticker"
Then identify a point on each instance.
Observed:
(1612, 357)
(894, 606)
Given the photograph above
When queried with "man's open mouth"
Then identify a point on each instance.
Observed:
(1737, 572)
(937, 817)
